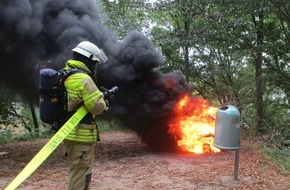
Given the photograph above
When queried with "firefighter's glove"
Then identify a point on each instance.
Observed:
(107, 105)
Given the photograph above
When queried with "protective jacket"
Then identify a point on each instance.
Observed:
(81, 89)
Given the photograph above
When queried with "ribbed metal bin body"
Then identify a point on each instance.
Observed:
(227, 128)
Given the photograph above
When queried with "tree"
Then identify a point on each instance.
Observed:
(229, 44)
(233, 51)
(175, 31)
(125, 15)
(13, 111)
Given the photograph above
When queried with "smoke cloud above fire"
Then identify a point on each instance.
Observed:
(37, 34)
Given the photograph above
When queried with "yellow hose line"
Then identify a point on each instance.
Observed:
(48, 148)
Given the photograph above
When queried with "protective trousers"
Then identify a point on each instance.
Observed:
(81, 157)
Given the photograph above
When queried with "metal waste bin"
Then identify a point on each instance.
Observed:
(227, 128)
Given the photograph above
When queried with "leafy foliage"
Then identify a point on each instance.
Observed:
(5, 105)
(13, 111)
(108, 125)
(238, 54)
(5, 136)
(125, 15)
(234, 52)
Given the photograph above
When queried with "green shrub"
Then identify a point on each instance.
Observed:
(280, 157)
(108, 125)
(5, 136)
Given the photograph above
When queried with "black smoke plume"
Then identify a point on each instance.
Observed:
(37, 34)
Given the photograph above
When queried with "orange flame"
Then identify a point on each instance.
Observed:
(194, 125)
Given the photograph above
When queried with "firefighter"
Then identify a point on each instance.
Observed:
(81, 89)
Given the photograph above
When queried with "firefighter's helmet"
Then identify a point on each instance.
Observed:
(90, 51)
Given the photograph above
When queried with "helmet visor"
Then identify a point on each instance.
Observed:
(101, 56)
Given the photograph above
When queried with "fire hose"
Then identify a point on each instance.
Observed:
(48, 148)
(53, 143)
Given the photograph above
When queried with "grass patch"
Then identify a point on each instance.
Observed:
(280, 157)
(31, 136)
(108, 125)
(7, 136)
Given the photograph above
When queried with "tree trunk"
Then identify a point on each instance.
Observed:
(186, 51)
(259, 73)
(32, 109)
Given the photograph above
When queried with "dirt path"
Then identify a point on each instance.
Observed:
(122, 162)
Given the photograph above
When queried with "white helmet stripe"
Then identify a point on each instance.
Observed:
(86, 50)
(91, 51)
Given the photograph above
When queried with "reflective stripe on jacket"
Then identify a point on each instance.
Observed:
(81, 89)
(81, 134)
